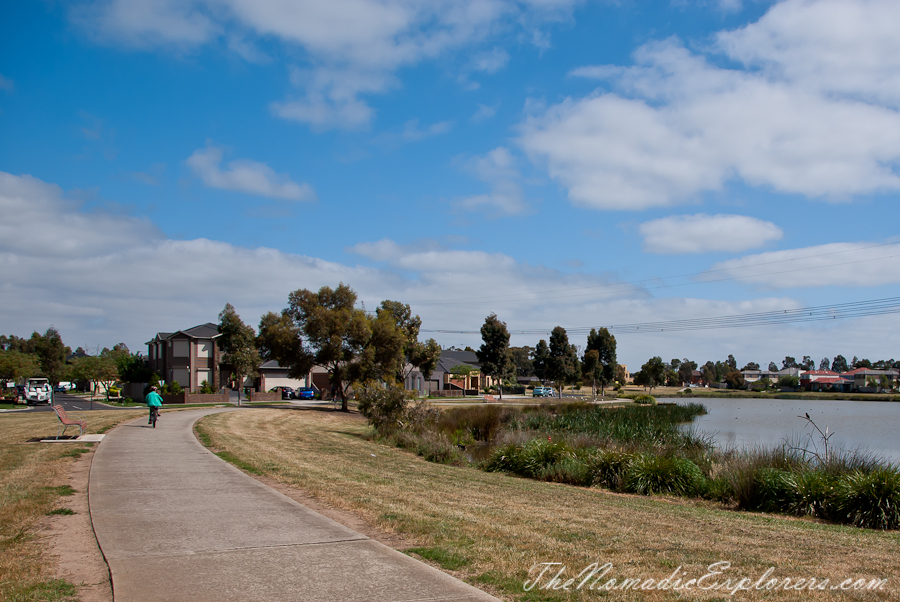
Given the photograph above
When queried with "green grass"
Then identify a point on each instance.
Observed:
(55, 590)
(75, 453)
(62, 511)
(445, 558)
(62, 490)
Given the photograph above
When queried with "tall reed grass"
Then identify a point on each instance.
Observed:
(643, 450)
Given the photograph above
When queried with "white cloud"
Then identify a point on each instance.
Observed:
(243, 175)
(498, 169)
(490, 62)
(329, 98)
(413, 132)
(484, 113)
(837, 264)
(107, 278)
(342, 38)
(828, 46)
(677, 126)
(701, 233)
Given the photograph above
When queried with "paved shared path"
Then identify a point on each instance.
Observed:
(177, 523)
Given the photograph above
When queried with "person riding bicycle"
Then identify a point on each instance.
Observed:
(154, 401)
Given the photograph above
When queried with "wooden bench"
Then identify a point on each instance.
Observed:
(65, 422)
(489, 398)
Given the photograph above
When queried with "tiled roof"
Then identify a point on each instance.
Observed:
(203, 331)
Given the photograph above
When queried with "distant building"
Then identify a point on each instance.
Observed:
(188, 357)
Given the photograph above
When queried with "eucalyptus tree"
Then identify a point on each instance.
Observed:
(563, 365)
(494, 354)
(605, 344)
(238, 342)
(334, 330)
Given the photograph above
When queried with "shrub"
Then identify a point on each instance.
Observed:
(205, 388)
(607, 468)
(814, 494)
(420, 416)
(774, 491)
(527, 460)
(383, 406)
(649, 473)
(648, 400)
(870, 500)
(789, 381)
(481, 423)
(571, 469)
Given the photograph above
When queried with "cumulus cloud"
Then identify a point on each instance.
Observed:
(244, 175)
(498, 169)
(844, 264)
(104, 278)
(676, 125)
(701, 233)
(342, 39)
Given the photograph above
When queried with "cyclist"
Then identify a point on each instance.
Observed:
(154, 401)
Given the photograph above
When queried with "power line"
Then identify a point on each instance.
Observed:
(839, 311)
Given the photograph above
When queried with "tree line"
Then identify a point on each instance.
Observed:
(46, 355)
(655, 372)
(556, 361)
(325, 328)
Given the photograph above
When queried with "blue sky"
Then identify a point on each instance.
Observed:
(558, 162)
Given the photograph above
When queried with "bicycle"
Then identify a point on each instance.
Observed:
(154, 414)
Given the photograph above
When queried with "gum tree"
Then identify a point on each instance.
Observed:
(494, 354)
(605, 344)
(238, 342)
(335, 332)
(563, 366)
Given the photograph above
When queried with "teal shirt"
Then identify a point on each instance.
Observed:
(153, 399)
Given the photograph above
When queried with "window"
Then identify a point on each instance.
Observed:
(204, 349)
(181, 348)
(183, 376)
(202, 375)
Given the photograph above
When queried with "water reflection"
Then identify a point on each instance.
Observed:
(866, 425)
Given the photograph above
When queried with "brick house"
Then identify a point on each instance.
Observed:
(188, 356)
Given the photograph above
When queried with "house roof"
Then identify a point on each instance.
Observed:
(870, 372)
(201, 331)
(451, 359)
(820, 373)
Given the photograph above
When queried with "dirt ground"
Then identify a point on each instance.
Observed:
(71, 541)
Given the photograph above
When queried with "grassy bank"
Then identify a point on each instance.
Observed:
(32, 480)
(491, 529)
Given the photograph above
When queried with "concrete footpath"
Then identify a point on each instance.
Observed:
(177, 523)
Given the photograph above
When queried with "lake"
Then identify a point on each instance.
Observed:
(867, 425)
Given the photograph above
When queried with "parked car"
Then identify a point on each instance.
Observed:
(60, 389)
(286, 392)
(305, 393)
(37, 390)
(541, 391)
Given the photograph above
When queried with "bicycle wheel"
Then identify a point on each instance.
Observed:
(153, 419)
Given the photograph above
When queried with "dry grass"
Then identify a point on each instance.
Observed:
(32, 479)
(492, 528)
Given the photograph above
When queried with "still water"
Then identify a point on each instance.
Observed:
(866, 425)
